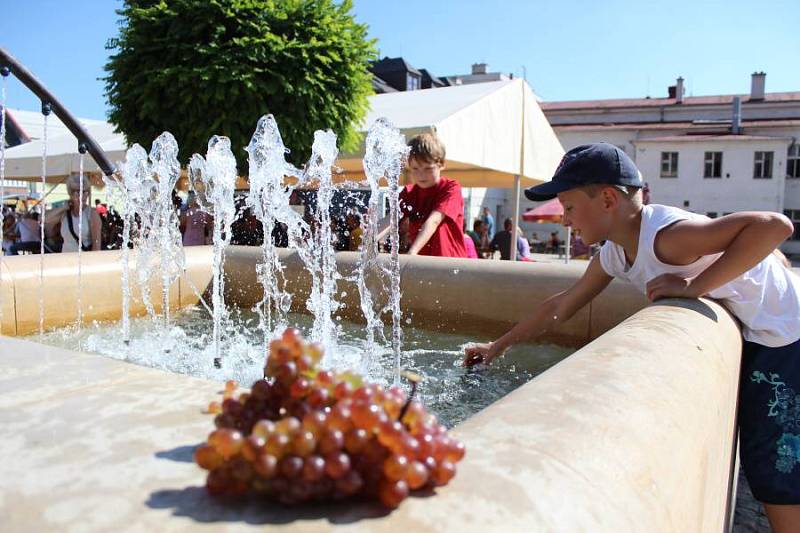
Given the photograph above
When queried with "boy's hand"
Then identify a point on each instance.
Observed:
(669, 286)
(480, 353)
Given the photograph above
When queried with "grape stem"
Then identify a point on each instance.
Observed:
(408, 402)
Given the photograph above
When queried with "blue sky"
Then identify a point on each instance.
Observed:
(572, 49)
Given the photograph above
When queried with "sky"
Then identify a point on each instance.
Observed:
(567, 49)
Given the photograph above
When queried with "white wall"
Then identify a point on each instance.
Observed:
(736, 190)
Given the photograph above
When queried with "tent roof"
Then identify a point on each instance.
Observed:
(481, 126)
(24, 162)
(426, 107)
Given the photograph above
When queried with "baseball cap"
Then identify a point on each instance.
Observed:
(588, 164)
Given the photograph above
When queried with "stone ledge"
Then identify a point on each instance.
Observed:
(631, 433)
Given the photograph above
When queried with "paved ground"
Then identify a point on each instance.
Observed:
(749, 516)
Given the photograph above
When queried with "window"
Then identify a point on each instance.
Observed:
(794, 216)
(762, 166)
(669, 164)
(713, 165)
(711, 214)
(793, 161)
(412, 82)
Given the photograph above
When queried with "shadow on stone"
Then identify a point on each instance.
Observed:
(695, 305)
(195, 503)
(181, 454)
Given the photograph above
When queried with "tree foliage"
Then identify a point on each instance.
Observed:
(203, 67)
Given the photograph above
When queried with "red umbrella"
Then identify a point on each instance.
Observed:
(550, 211)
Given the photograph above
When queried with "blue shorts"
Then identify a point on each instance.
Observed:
(769, 421)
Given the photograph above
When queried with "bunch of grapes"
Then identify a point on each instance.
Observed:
(306, 434)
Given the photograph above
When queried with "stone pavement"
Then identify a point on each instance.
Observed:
(749, 516)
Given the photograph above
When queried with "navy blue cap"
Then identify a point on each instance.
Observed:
(600, 163)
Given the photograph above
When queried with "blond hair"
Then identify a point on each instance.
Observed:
(633, 194)
(427, 147)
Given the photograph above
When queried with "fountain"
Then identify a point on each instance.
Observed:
(269, 199)
(213, 180)
(556, 453)
(2, 178)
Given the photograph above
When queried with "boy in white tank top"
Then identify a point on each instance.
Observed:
(668, 252)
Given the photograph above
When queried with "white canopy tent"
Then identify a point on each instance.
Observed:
(24, 162)
(482, 126)
(495, 134)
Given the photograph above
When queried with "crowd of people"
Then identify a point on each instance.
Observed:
(432, 220)
(100, 227)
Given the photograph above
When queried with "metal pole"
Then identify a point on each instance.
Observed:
(518, 177)
(568, 245)
(72, 124)
(515, 217)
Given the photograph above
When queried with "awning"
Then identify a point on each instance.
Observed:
(550, 211)
(482, 128)
(24, 162)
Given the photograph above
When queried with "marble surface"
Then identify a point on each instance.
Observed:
(631, 433)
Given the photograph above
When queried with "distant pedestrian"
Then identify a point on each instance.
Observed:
(488, 219)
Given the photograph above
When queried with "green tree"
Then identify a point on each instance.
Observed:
(197, 68)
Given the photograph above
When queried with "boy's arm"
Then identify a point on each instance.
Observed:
(426, 232)
(555, 310)
(744, 239)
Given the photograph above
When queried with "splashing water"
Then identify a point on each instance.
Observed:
(448, 389)
(2, 186)
(79, 319)
(269, 199)
(318, 252)
(164, 160)
(384, 156)
(135, 171)
(150, 223)
(151, 229)
(387, 155)
(41, 228)
(213, 181)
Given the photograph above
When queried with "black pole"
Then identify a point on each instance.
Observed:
(50, 102)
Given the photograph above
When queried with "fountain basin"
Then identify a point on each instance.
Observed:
(453, 295)
(632, 432)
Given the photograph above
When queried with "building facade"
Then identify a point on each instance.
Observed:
(709, 154)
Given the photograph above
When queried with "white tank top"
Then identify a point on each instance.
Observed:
(766, 298)
(70, 243)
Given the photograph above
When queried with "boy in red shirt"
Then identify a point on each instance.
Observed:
(433, 205)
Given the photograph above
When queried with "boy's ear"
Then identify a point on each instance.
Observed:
(609, 197)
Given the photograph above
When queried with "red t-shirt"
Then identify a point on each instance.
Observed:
(417, 204)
